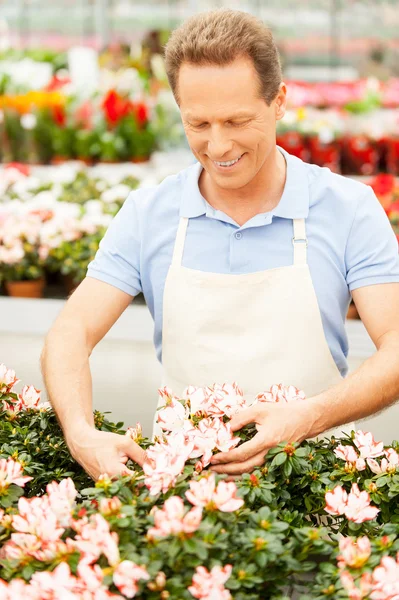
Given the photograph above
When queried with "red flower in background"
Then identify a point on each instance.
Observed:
(59, 115)
(24, 169)
(57, 83)
(115, 107)
(383, 184)
(141, 113)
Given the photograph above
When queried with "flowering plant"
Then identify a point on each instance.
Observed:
(176, 530)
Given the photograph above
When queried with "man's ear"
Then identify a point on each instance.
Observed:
(281, 101)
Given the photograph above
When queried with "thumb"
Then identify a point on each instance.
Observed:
(134, 451)
(244, 417)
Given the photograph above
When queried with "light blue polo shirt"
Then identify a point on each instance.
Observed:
(351, 242)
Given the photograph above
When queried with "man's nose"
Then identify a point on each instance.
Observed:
(219, 145)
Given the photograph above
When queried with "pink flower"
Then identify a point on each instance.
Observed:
(165, 462)
(367, 445)
(172, 520)
(210, 435)
(29, 397)
(355, 506)
(94, 538)
(354, 553)
(61, 497)
(55, 584)
(386, 579)
(173, 416)
(126, 576)
(336, 501)
(205, 493)
(354, 592)
(281, 393)
(11, 472)
(37, 518)
(388, 464)
(350, 456)
(358, 507)
(110, 506)
(135, 433)
(210, 585)
(8, 379)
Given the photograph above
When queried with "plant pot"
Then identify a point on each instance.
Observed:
(59, 160)
(26, 289)
(140, 159)
(69, 284)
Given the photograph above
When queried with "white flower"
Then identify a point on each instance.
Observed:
(28, 121)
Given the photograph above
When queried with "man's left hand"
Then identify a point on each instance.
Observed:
(275, 423)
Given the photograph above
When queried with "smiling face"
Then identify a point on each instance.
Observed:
(226, 121)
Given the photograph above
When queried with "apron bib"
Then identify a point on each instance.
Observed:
(257, 329)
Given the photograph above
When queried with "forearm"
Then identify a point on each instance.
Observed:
(371, 388)
(66, 373)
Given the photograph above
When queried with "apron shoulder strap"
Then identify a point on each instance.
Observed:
(179, 242)
(300, 242)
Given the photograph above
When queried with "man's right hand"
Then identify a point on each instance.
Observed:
(100, 452)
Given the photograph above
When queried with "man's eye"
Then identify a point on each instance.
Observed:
(238, 124)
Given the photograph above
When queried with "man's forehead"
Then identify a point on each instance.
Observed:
(202, 115)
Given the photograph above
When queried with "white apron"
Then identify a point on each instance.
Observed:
(257, 329)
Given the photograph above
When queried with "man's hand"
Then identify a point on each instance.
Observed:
(275, 423)
(101, 452)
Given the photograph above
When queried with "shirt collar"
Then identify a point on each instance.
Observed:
(294, 203)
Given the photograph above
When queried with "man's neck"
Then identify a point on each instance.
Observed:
(260, 195)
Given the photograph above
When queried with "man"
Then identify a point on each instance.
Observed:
(247, 261)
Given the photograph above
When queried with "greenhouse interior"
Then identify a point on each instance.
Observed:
(187, 417)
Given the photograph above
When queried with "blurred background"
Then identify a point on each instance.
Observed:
(86, 115)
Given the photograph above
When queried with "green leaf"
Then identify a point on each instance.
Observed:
(278, 460)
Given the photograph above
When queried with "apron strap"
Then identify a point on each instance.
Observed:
(179, 242)
(300, 242)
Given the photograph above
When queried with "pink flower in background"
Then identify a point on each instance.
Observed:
(126, 577)
(354, 553)
(355, 505)
(205, 493)
(11, 472)
(386, 579)
(110, 506)
(30, 396)
(354, 592)
(8, 379)
(172, 519)
(349, 455)
(336, 501)
(209, 585)
(358, 508)
(281, 393)
(367, 445)
(388, 464)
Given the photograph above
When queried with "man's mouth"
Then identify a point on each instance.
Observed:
(228, 163)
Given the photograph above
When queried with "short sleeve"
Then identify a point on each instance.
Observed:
(372, 249)
(117, 260)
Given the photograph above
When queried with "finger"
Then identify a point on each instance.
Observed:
(232, 469)
(244, 417)
(134, 451)
(242, 453)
